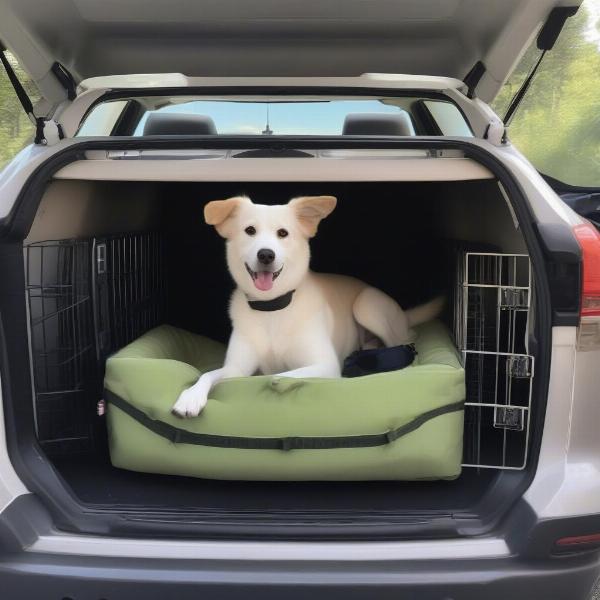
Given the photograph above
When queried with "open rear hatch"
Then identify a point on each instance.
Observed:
(234, 38)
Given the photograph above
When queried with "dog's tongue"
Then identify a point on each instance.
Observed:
(264, 281)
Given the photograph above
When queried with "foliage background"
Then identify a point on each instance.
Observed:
(557, 125)
(16, 130)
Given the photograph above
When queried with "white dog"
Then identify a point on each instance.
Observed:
(286, 319)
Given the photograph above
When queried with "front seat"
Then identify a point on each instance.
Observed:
(398, 124)
(164, 123)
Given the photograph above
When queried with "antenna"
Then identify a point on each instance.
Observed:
(267, 130)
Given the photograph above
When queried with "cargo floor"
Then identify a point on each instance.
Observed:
(95, 481)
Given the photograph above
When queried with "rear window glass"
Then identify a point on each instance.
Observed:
(319, 117)
(103, 119)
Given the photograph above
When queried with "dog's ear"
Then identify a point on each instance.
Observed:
(311, 209)
(218, 212)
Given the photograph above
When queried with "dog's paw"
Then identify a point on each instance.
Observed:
(190, 403)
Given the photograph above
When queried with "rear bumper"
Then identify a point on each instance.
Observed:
(36, 561)
(30, 575)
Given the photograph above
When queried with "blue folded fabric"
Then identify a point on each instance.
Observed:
(378, 360)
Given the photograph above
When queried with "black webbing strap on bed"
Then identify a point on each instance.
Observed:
(182, 436)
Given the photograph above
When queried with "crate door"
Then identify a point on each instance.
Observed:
(129, 288)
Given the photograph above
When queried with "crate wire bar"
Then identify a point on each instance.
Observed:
(59, 307)
(129, 288)
(491, 325)
(85, 299)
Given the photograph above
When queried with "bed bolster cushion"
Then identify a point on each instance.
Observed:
(398, 425)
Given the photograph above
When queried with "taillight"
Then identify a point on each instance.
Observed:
(577, 540)
(589, 327)
(589, 240)
(577, 543)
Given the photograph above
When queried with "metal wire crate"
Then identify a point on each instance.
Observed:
(85, 299)
(128, 287)
(59, 304)
(491, 324)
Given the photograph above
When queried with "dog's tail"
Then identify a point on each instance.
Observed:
(425, 312)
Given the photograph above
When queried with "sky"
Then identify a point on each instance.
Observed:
(592, 33)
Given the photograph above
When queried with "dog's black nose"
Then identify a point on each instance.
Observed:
(265, 256)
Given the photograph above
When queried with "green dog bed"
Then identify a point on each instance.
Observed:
(400, 425)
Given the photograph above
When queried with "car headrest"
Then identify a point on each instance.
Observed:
(378, 124)
(179, 124)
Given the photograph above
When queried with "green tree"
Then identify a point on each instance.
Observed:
(16, 130)
(557, 125)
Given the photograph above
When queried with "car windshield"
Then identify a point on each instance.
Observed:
(320, 117)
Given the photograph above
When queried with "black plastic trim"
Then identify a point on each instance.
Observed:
(128, 119)
(473, 77)
(553, 26)
(72, 577)
(70, 514)
(559, 242)
(564, 268)
(272, 153)
(66, 80)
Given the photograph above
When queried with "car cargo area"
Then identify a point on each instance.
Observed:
(105, 261)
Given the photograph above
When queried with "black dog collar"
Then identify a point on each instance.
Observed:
(270, 305)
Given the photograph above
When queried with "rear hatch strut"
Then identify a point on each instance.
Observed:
(47, 131)
(546, 40)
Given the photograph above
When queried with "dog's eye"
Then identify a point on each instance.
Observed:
(282, 233)
(250, 230)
